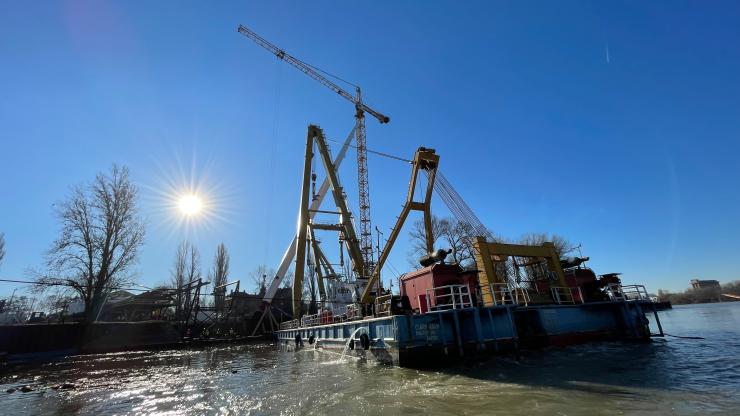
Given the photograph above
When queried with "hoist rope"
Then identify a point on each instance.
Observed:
(458, 207)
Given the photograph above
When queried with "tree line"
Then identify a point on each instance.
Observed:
(701, 295)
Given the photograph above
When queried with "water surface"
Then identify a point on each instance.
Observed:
(669, 376)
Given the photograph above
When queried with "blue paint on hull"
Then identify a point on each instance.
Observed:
(436, 338)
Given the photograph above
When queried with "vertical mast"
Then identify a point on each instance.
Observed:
(363, 189)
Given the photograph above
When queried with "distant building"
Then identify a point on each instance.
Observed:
(704, 284)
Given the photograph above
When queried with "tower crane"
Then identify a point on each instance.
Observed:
(366, 242)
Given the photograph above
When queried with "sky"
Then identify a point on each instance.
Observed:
(613, 124)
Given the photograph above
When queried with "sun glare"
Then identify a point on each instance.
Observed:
(190, 205)
(186, 198)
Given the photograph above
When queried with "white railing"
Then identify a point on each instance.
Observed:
(310, 320)
(346, 313)
(564, 294)
(505, 293)
(619, 292)
(290, 324)
(448, 297)
(339, 314)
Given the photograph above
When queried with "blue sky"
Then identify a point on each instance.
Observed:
(615, 125)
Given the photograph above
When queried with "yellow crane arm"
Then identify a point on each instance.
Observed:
(424, 160)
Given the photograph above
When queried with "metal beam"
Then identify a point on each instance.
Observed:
(345, 218)
(289, 253)
(302, 227)
(424, 159)
(317, 264)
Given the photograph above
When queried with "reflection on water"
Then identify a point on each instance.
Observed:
(671, 376)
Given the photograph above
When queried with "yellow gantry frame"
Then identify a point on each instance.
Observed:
(424, 159)
(345, 227)
(485, 251)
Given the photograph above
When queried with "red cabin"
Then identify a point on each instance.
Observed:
(439, 286)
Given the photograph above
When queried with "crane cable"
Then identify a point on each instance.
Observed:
(375, 152)
(457, 206)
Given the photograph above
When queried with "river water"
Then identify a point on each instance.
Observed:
(668, 376)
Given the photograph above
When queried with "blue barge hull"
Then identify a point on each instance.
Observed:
(436, 338)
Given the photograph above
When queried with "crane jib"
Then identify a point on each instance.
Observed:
(308, 70)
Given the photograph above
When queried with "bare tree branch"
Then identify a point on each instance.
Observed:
(185, 269)
(220, 276)
(99, 238)
(259, 276)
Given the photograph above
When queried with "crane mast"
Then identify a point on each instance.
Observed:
(363, 189)
(366, 243)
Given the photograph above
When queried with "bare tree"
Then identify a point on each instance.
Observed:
(185, 269)
(2, 247)
(56, 303)
(562, 246)
(460, 237)
(178, 276)
(220, 275)
(260, 276)
(418, 239)
(99, 239)
(535, 269)
(453, 234)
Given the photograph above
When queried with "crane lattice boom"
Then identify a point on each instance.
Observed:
(366, 243)
(311, 72)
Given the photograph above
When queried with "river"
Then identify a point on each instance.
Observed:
(668, 376)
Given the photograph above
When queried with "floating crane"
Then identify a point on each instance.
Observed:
(366, 242)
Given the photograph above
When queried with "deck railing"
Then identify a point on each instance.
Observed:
(506, 294)
(564, 294)
(339, 314)
(310, 320)
(336, 315)
(449, 297)
(295, 323)
(619, 292)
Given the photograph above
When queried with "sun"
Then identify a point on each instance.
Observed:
(190, 205)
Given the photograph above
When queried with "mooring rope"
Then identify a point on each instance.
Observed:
(682, 337)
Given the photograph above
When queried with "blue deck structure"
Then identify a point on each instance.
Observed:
(439, 337)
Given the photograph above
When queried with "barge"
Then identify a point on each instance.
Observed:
(448, 323)
(513, 296)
